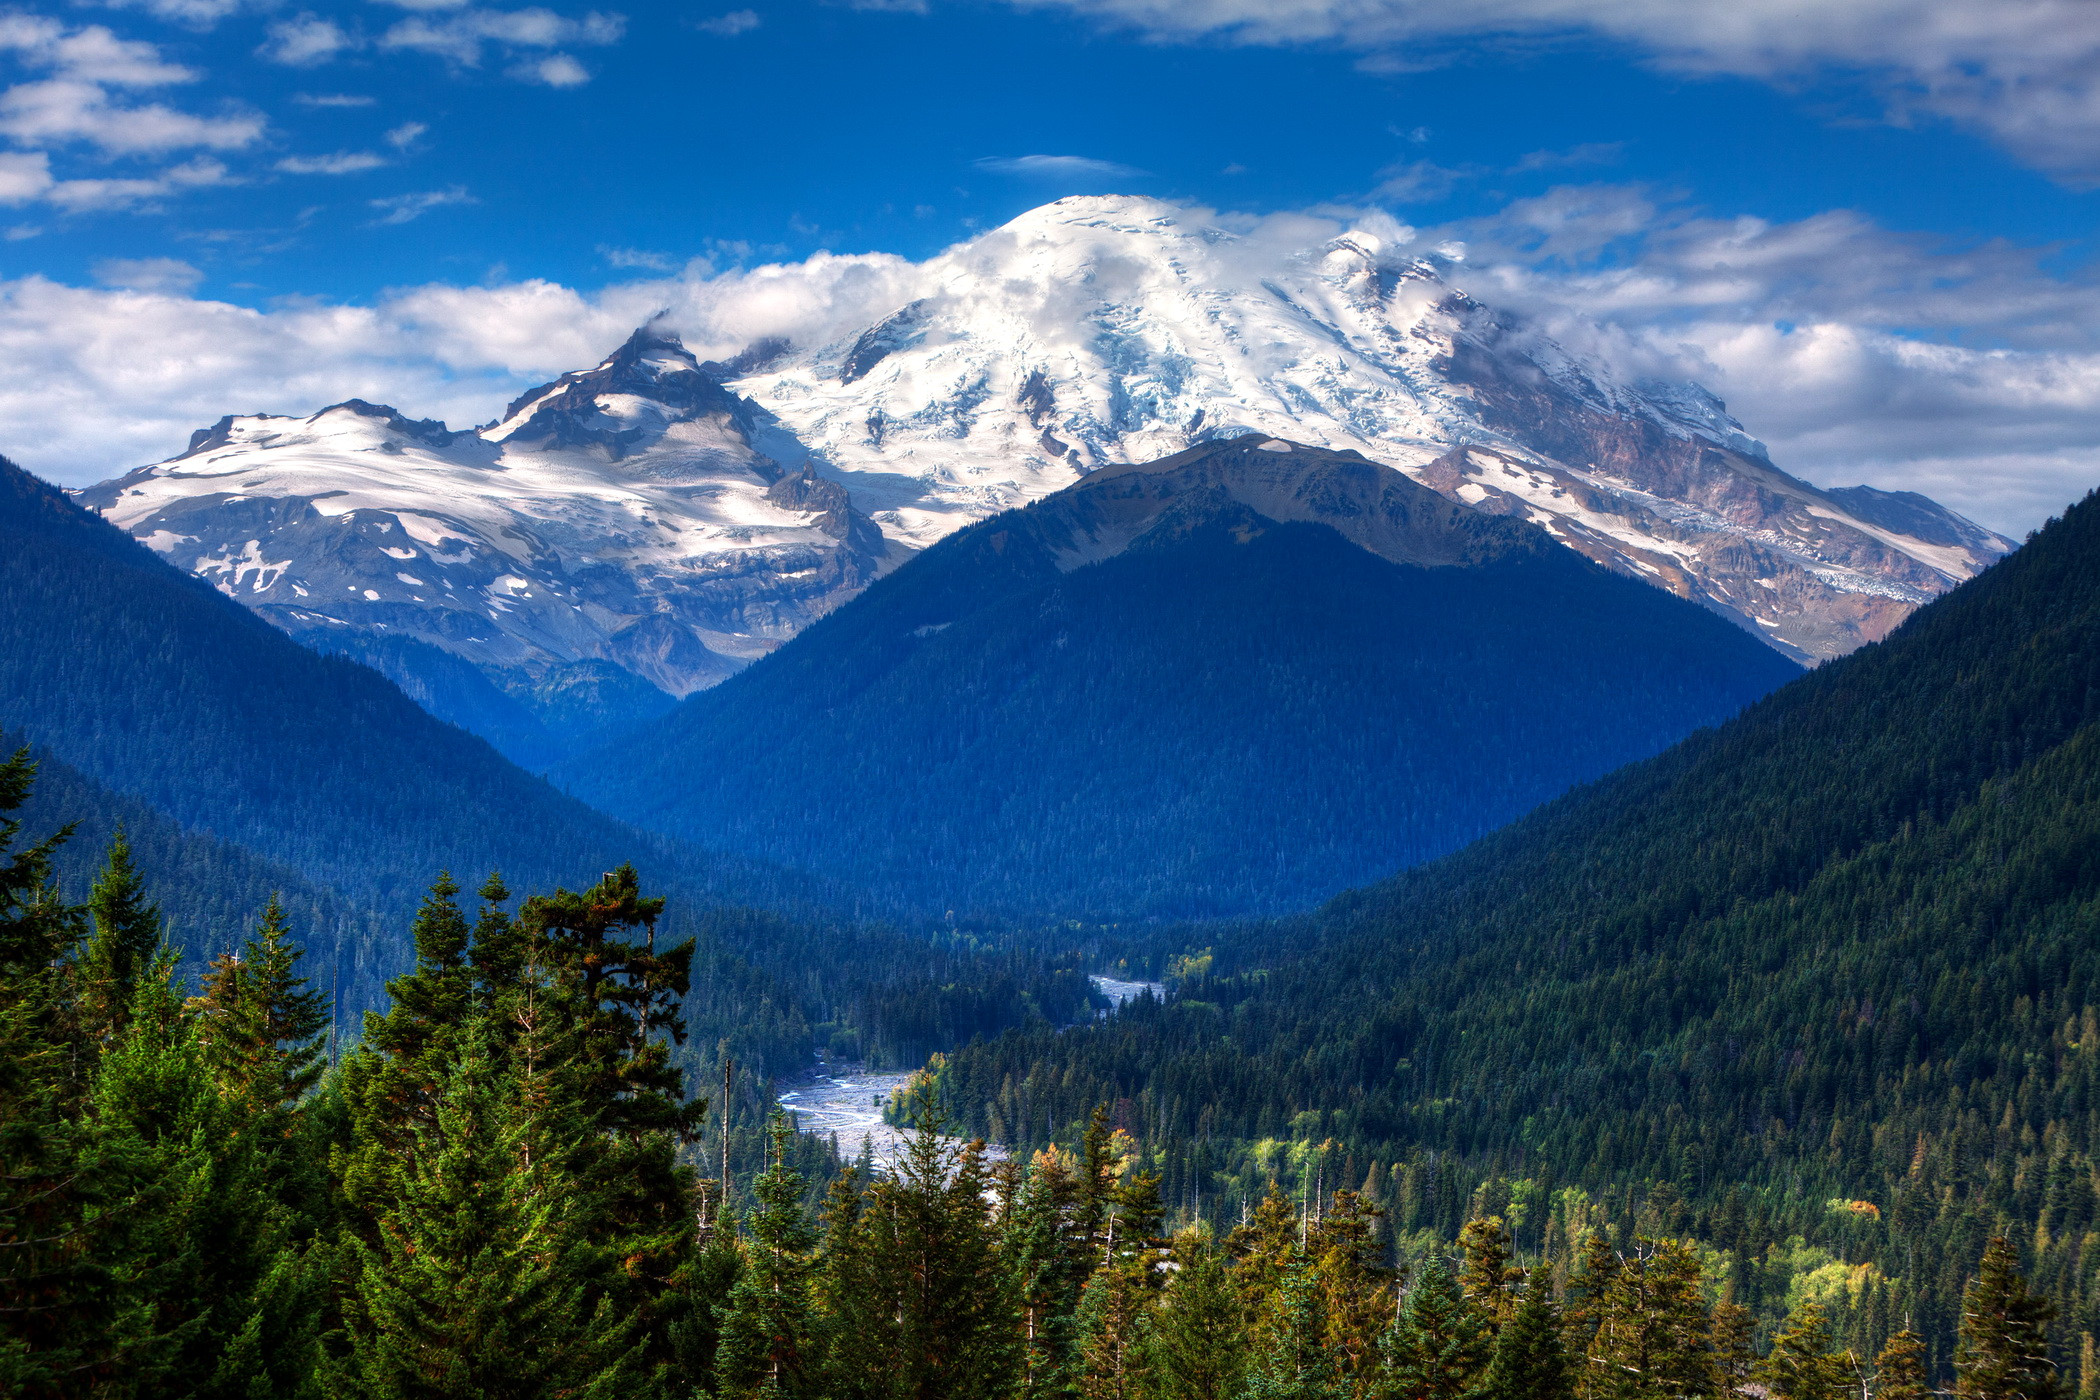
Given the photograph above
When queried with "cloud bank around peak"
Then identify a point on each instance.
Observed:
(2024, 72)
(1968, 372)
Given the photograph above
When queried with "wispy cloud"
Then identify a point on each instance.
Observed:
(404, 135)
(147, 274)
(1058, 167)
(80, 102)
(2024, 72)
(405, 208)
(730, 25)
(334, 99)
(638, 258)
(1575, 157)
(341, 163)
(307, 40)
(463, 36)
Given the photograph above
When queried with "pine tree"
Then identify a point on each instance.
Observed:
(768, 1331)
(1490, 1276)
(260, 1023)
(56, 1304)
(1356, 1288)
(1192, 1344)
(1122, 1291)
(1804, 1364)
(217, 1274)
(1438, 1347)
(2002, 1349)
(1653, 1335)
(1290, 1359)
(1734, 1354)
(1045, 1255)
(1263, 1250)
(850, 1296)
(1899, 1371)
(944, 1329)
(1529, 1362)
(484, 1281)
(127, 929)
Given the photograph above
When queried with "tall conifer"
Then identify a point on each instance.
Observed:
(2002, 1349)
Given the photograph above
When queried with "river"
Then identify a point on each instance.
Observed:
(850, 1105)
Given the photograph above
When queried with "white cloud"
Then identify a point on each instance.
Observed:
(463, 35)
(92, 54)
(555, 70)
(1418, 182)
(306, 40)
(334, 99)
(1058, 167)
(61, 111)
(147, 274)
(201, 14)
(77, 103)
(638, 258)
(24, 176)
(730, 25)
(1966, 371)
(102, 195)
(405, 208)
(341, 163)
(2025, 72)
(404, 135)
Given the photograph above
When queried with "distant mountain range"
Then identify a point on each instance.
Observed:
(636, 532)
(1241, 678)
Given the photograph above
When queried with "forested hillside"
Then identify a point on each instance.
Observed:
(495, 1194)
(242, 763)
(1828, 974)
(1239, 679)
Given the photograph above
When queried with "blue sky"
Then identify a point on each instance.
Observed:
(786, 127)
(1869, 223)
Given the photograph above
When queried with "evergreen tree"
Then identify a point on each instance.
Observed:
(1734, 1354)
(217, 1274)
(485, 1281)
(1899, 1371)
(1263, 1249)
(2002, 1348)
(943, 1325)
(1192, 1345)
(768, 1332)
(1356, 1288)
(1438, 1347)
(1290, 1359)
(1490, 1277)
(1046, 1255)
(260, 1023)
(57, 1321)
(1653, 1336)
(851, 1297)
(1803, 1363)
(1529, 1362)
(119, 952)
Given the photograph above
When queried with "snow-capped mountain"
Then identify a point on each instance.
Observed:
(1100, 330)
(619, 515)
(641, 529)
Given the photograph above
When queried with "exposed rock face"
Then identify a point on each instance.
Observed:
(1102, 330)
(619, 515)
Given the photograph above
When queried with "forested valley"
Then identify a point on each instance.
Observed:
(1763, 1067)
(493, 1194)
